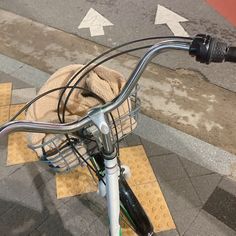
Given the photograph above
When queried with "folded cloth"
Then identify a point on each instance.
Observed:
(101, 85)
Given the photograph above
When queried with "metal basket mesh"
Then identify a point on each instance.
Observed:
(59, 154)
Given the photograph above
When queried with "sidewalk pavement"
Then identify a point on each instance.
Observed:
(201, 202)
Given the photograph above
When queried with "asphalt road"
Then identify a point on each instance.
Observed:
(131, 19)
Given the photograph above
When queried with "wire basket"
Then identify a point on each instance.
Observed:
(61, 156)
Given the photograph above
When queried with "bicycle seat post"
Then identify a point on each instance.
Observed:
(111, 169)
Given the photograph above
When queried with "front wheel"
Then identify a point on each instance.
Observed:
(129, 204)
(133, 211)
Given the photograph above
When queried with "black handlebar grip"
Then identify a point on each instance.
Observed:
(217, 51)
(231, 54)
(207, 49)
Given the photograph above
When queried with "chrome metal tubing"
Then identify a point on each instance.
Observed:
(137, 72)
(40, 127)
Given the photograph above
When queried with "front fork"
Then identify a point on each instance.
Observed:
(111, 170)
(112, 195)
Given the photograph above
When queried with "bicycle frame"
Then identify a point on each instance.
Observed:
(98, 116)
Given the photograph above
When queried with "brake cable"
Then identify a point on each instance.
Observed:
(83, 75)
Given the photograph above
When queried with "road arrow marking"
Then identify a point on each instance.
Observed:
(166, 16)
(95, 22)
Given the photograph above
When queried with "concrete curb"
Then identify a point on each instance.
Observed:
(187, 146)
(22, 71)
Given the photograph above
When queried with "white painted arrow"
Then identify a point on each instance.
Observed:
(95, 22)
(172, 19)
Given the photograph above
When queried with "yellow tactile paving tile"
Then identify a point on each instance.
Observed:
(74, 183)
(143, 182)
(4, 114)
(154, 204)
(18, 152)
(141, 170)
(5, 92)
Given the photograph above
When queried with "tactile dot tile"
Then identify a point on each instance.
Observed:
(74, 183)
(5, 91)
(141, 170)
(18, 152)
(4, 114)
(154, 204)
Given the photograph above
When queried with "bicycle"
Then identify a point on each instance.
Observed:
(100, 129)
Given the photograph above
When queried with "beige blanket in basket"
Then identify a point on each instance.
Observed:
(102, 81)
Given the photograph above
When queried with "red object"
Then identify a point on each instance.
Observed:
(226, 8)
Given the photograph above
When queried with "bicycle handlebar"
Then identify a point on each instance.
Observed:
(205, 48)
(43, 127)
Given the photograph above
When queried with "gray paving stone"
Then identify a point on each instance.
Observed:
(23, 220)
(193, 169)
(5, 229)
(44, 198)
(35, 233)
(133, 140)
(229, 185)
(168, 167)
(154, 149)
(33, 210)
(205, 185)
(15, 194)
(167, 233)
(5, 171)
(97, 200)
(93, 209)
(5, 205)
(99, 227)
(207, 225)
(222, 205)
(180, 195)
(184, 219)
(3, 152)
(3, 142)
(13, 191)
(65, 222)
(32, 174)
(86, 207)
(30, 75)
(17, 187)
(9, 65)
(16, 83)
